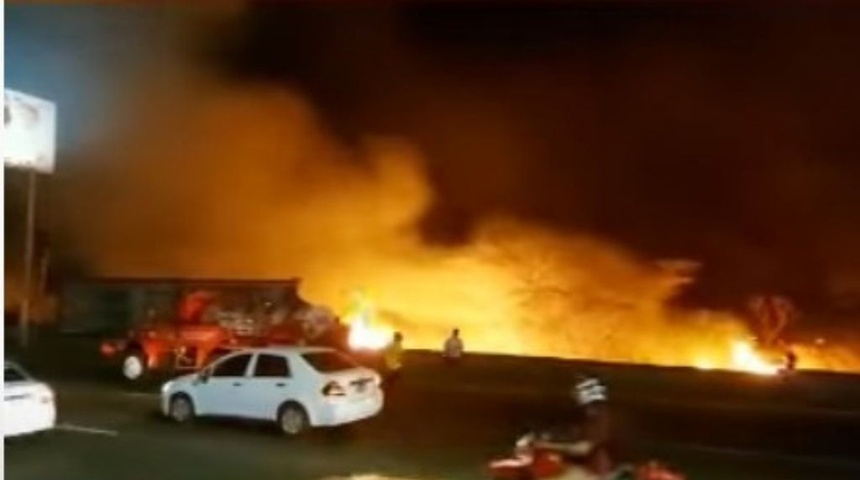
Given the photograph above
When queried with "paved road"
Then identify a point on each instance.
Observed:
(445, 425)
(109, 433)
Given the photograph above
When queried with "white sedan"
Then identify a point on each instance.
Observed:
(28, 405)
(296, 387)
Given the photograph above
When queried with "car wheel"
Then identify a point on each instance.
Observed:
(181, 409)
(292, 419)
(133, 366)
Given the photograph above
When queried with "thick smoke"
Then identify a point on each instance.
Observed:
(206, 180)
(201, 178)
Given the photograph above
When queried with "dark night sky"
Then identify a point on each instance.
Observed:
(723, 133)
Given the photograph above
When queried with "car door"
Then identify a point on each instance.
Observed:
(19, 400)
(221, 391)
(272, 385)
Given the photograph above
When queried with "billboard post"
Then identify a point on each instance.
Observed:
(29, 250)
(29, 135)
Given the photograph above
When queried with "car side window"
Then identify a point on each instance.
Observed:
(271, 366)
(232, 367)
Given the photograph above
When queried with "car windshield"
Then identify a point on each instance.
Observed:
(13, 374)
(329, 362)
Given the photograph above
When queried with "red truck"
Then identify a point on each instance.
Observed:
(168, 324)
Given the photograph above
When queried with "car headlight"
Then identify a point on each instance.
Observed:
(166, 387)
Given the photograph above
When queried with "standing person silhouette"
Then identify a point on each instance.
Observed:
(452, 351)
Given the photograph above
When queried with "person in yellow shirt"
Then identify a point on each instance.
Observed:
(392, 357)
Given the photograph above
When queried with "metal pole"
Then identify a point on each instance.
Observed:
(29, 247)
(44, 267)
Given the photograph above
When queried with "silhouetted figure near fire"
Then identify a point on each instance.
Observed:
(392, 357)
(790, 361)
(452, 351)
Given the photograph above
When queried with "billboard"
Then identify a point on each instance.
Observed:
(29, 128)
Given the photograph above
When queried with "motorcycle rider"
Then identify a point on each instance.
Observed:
(583, 449)
(584, 446)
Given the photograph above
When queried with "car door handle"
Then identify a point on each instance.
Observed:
(237, 384)
(280, 384)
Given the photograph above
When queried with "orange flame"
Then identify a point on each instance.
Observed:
(364, 332)
(746, 358)
(742, 356)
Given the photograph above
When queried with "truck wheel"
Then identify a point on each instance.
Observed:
(133, 365)
(181, 408)
(292, 419)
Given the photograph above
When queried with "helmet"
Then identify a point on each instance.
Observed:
(588, 390)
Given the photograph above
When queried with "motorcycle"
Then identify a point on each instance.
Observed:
(530, 462)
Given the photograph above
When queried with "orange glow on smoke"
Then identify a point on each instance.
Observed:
(303, 204)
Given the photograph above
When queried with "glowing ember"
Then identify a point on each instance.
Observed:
(745, 358)
(363, 332)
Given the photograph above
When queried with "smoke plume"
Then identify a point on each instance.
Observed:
(201, 178)
(206, 180)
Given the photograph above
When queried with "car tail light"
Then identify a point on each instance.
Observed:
(107, 349)
(46, 397)
(333, 389)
